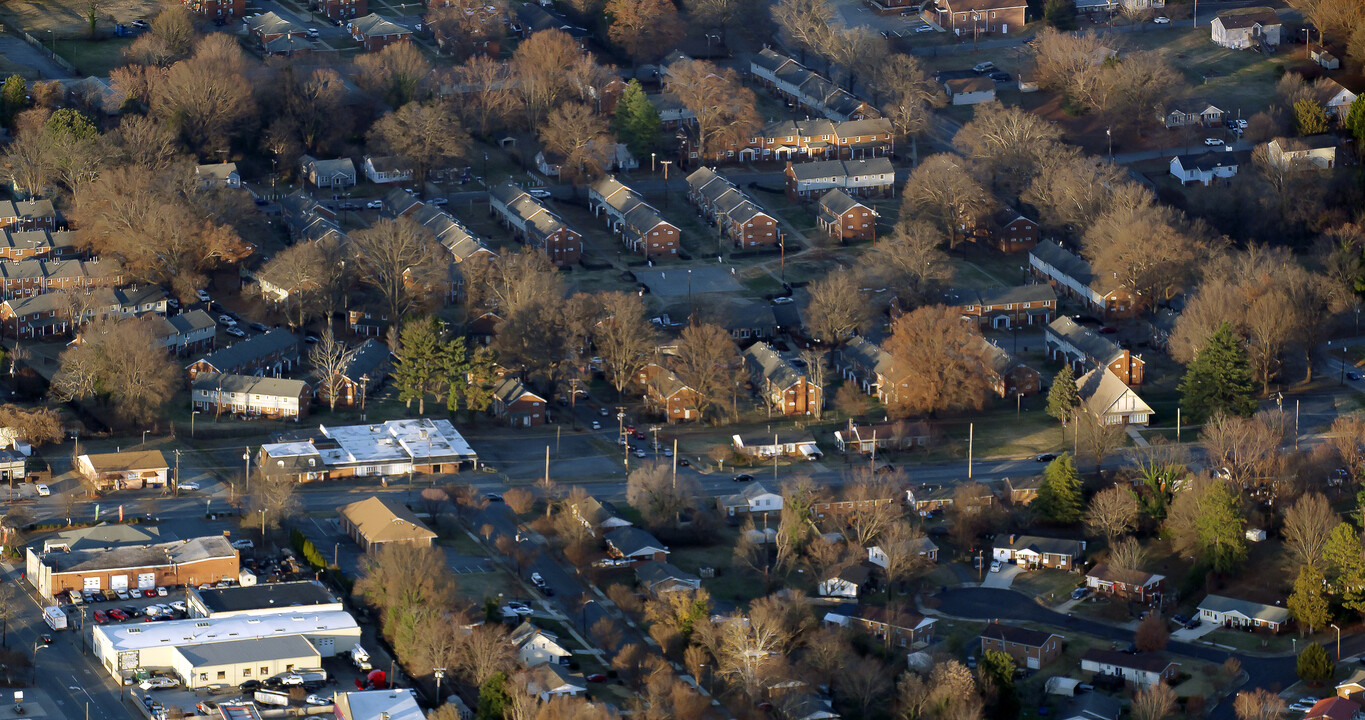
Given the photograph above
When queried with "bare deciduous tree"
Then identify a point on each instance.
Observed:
(837, 309)
(645, 29)
(660, 498)
(490, 98)
(330, 357)
(707, 360)
(1154, 702)
(402, 262)
(1258, 704)
(725, 109)
(1307, 524)
(397, 74)
(623, 338)
(1113, 512)
(941, 190)
(1008, 144)
(941, 361)
(579, 136)
(206, 97)
(426, 136)
(121, 363)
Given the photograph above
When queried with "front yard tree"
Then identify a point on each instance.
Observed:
(1258, 704)
(402, 261)
(207, 97)
(1344, 561)
(1154, 702)
(942, 360)
(122, 365)
(624, 338)
(1142, 244)
(1059, 495)
(837, 310)
(942, 191)
(1206, 521)
(911, 97)
(330, 357)
(645, 29)
(396, 75)
(1307, 525)
(1113, 512)
(579, 136)
(658, 495)
(1151, 635)
(808, 23)
(1126, 559)
(1310, 118)
(1062, 397)
(707, 360)
(1007, 144)
(910, 261)
(725, 109)
(1315, 666)
(425, 136)
(1219, 379)
(1308, 604)
(636, 121)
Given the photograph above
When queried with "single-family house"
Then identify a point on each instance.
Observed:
(844, 218)
(1353, 687)
(921, 546)
(1032, 551)
(1248, 27)
(335, 173)
(250, 395)
(970, 90)
(969, 18)
(1334, 97)
(515, 404)
(1333, 708)
(597, 516)
(661, 578)
(270, 26)
(133, 470)
(1199, 113)
(1030, 649)
(1107, 398)
(1073, 276)
(753, 499)
(1142, 670)
(385, 169)
(1204, 167)
(846, 502)
(548, 680)
(847, 582)
(636, 545)
(786, 388)
(1083, 348)
(1092, 706)
(218, 175)
(929, 499)
(898, 435)
(1132, 586)
(1315, 152)
(1237, 613)
(535, 646)
(893, 627)
(799, 445)
(375, 33)
(1024, 490)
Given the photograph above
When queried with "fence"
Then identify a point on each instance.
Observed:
(50, 53)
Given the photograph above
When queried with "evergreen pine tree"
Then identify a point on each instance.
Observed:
(637, 121)
(1063, 398)
(1308, 604)
(1059, 495)
(1219, 379)
(14, 95)
(1355, 119)
(1314, 666)
(417, 361)
(1060, 14)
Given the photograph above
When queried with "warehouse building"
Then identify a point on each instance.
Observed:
(261, 599)
(232, 662)
(394, 704)
(184, 562)
(123, 649)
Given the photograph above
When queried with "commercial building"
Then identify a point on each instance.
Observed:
(394, 704)
(396, 447)
(184, 562)
(125, 470)
(375, 522)
(123, 649)
(232, 662)
(261, 599)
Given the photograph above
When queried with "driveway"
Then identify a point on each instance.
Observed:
(1190, 635)
(1003, 579)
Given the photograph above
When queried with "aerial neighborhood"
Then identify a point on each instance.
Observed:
(682, 360)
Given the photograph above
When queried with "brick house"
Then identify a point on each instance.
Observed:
(274, 398)
(926, 499)
(844, 218)
(1073, 276)
(668, 395)
(1022, 491)
(517, 405)
(1029, 648)
(365, 371)
(894, 628)
(46, 315)
(31, 214)
(841, 504)
(270, 26)
(216, 9)
(642, 229)
(787, 389)
(871, 367)
(1084, 349)
(274, 352)
(534, 224)
(1009, 231)
(374, 33)
(745, 223)
(868, 177)
(1032, 551)
(1003, 308)
(345, 9)
(897, 435)
(183, 562)
(965, 18)
(1142, 587)
(1008, 375)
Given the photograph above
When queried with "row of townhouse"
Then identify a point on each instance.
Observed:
(1084, 349)
(274, 398)
(1071, 275)
(642, 229)
(795, 81)
(33, 214)
(270, 353)
(872, 368)
(738, 217)
(786, 388)
(461, 242)
(815, 138)
(307, 219)
(1008, 375)
(535, 225)
(1005, 308)
(38, 276)
(861, 178)
(41, 243)
(54, 314)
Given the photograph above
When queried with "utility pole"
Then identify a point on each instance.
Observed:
(775, 451)
(177, 472)
(666, 163)
(971, 438)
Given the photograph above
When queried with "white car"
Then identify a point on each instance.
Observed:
(538, 193)
(520, 608)
(227, 320)
(596, 425)
(375, 204)
(235, 332)
(43, 490)
(668, 452)
(314, 33)
(1212, 142)
(161, 592)
(1161, 20)
(995, 566)
(924, 29)
(158, 682)
(243, 544)
(318, 700)
(188, 485)
(178, 605)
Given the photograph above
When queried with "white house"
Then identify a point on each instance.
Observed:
(535, 646)
(970, 91)
(1105, 396)
(1314, 152)
(920, 546)
(1236, 613)
(218, 175)
(250, 395)
(1245, 28)
(847, 583)
(1203, 168)
(1335, 98)
(548, 680)
(753, 499)
(1033, 551)
(1143, 669)
(383, 170)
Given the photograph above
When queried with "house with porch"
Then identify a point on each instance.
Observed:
(869, 177)
(1314, 152)
(1232, 612)
(849, 582)
(1204, 168)
(752, 500)
(1032, 551)
(267, 397)
(786, 388)
(335, 174)
(1030, 649)
(1140, 670)
(898, 435)
(1134, 586)
(1070, 275)
(738, 217)
(1004, 308)
(1107, 398)
(1245, 28)
(1197, 113)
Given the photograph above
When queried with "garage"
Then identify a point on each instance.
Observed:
(146, 581)
(90, 583)
(118, 582)
(326, 646)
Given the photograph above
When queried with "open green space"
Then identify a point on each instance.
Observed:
(94, 57)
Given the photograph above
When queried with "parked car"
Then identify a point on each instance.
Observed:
(188, 485)
(259, 327)
(682, 462)
(492, 497)
(1213, 142)
(1080, 593)
(1001, 76)
(924, 29)
(43, 490)
(520, 608)
(596, 678)
(121, 594)
(140, 24)
(744, 477)
(1045, 457)
(374, 204)
(317, 700)
(118, 615)
(538, 193)
(243, 544)
(313, 33)
(101, 617)
(995, 566)
(202, 295)
(235, 331)
(249, 685)
(1161, 20)
(984, 68)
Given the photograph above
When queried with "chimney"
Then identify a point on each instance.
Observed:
(1014, 539)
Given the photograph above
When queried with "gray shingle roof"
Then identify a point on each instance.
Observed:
(843, 168)
(233, 652)
(764, 361)
(252, 350)
(1255, 610)
(1246, 17)
(630, 540)
(1086, 340)
(268, 386)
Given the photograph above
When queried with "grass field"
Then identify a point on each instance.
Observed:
(1238, 81)
(66, 17)
(94, 57)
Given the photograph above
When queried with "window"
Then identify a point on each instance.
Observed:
(266, 671)
(246, 672)
(222, 674)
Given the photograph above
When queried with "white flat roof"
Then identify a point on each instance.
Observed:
(289, 449)
(400, 704)
(413, 439)
(176, 633)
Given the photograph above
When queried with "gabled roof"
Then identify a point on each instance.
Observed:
(368, 357)
(216, 171)
(1246, 608)
(865, 126)
(511, 390)
(1038, 292)
(843, 168)
(1102, 573)
(1100, 389)
(383, 520)
(970, 85)
(252, 349)
(550, 677)
(267, 386)
(655, 572)
(271, 23)
(1017, 635)
(1207, 161)
(1247, 17)
(131, 461)
(1092, 706)
(1086, 340)
(770, 59)
(187, 322)
(329, 168)
(870, 355)
(1072, 266)
(1040, 545)
(836, 202)
(597, 513)
(998, 359)
(1150, 662)
(779, 371)
(630, 541)
(1333, 708)
(373, 25)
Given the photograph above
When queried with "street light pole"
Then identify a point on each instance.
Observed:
(192, 414)
(247, 457)
(1334, 627)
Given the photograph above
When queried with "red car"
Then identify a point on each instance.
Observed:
(596, 678)
(149, 593)
(101, 617)
(118, 615)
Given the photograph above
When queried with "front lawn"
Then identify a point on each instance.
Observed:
(1049, 586)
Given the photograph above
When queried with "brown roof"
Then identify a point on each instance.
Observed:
(973, 84)
(1017, 635)
(381, 520)
(1246, 17)
(128, 461)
